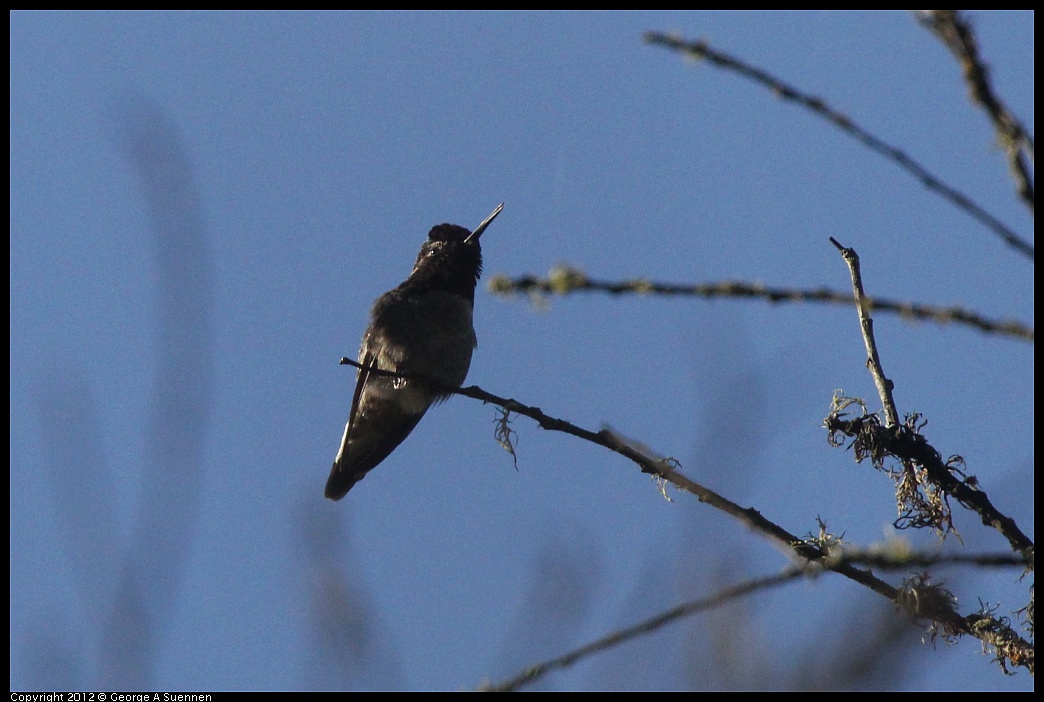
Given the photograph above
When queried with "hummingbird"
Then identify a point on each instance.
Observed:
(422, 330)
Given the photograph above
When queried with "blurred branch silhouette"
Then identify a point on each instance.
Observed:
(880, 559)
(180, 412)
(616, 638)
(130, 589)
(352, 643)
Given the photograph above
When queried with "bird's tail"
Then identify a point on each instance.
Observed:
(366, 442)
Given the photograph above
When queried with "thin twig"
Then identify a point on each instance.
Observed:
(956, 33)
(564, 280)
(535, 672)
(866, 324)
(700, 49)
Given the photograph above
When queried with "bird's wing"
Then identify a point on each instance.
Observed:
(341, 480)
(369, 361)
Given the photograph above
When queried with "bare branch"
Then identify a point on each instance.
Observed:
(956, 33)
(564, 280)
(916, 594)
(990, 630)
(535, 672)
(701, 50)
(866, 324)
(664, 468)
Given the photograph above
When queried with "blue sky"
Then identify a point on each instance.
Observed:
(317, 150)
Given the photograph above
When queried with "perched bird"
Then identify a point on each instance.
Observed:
(421, 329)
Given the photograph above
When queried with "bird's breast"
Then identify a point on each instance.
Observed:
(428, 335)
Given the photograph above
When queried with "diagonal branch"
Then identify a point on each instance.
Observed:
(535, 672)
(687, 609)
(956, 33)
(919, 599)
(700, 49)
(664, 469)
(923, 469)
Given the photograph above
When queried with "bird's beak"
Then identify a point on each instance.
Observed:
(485, 223)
